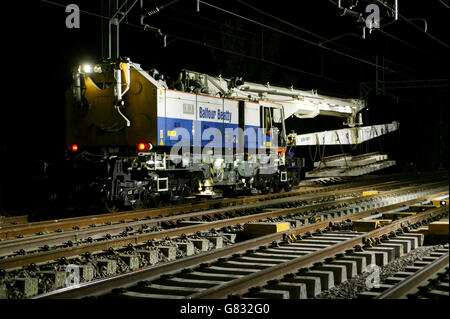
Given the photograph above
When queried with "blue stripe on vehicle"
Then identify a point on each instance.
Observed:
(166, 124)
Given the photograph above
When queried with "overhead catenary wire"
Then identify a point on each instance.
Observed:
(200, 17)
(446, 5)
(228, 26)
(128, 10)
(227, 34)
(233, 27)
(423, 80)
(340, 36)
(325, 40)
(300, 38)
(204, 44)
(234, 36)
(433, 56)
(417, 84)
(118, 10)
(404, 67)
(415, 26)
(159, 8)
(232, 52)
(283, 21)
(207, 28)
(419, 87)
(259, 59)
(389, 35)
(97, 15)
(303, 29)
(402, 41)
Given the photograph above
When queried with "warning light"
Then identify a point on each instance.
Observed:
(144, 146)
(74, 147)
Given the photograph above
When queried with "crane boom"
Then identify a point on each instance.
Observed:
(298, 103)
(306, 104)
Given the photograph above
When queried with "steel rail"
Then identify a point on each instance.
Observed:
(69, 224)
(10, 220)
(20, 261)
(241, 285)
(76, 234)
(400, 290)
(155, 212)
(14, 245)
(146, 213)
(104, 286)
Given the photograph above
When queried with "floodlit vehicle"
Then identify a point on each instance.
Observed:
(138, 140)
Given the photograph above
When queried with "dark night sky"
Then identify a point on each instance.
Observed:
(40, 51)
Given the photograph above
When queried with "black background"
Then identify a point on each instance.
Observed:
(39, 52)
(278, 308)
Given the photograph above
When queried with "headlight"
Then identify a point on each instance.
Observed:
(97, 68)
(87, 68)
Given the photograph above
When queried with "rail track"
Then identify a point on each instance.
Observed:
(305, 212)
(143, 234)
(74, 228)
(13, 229)
(250, 263)
(428, 278)
(13, 220)
(272, 266)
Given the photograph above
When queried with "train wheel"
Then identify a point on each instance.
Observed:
(229, 192)
(139, 205)
(287, 186)
(276, 187)
(156, 201)
(264, 187)
(110, 205)
(145, 200)
(186, 192)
